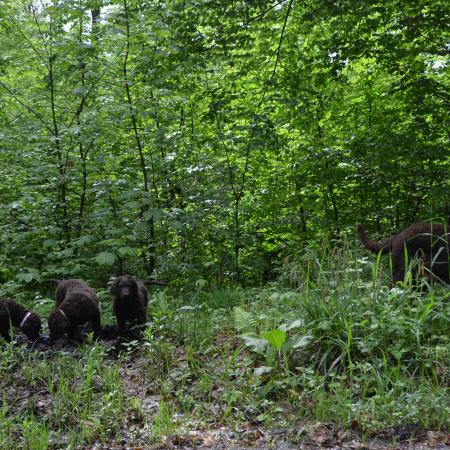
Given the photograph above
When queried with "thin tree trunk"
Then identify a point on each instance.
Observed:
(62, 186)
(151, 247)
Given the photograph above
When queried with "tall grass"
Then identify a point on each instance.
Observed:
(367, 344)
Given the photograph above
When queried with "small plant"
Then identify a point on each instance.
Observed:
(35, 434)
(7, 427)
(277, 349)
(159, 354)
(135, 410)
(163, 423)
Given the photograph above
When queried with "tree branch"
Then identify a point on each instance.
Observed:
(25, 106)
(277, 52)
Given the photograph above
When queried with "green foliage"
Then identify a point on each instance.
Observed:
(276, 338)
(243, 320)
(226, 146)
(163, 423)
(213, 142)
(71, 399)
(105, 258)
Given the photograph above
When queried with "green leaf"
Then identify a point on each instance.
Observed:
(301, 341)
(106, 258)
(243, 320)
(126, 251)
(31, 274)
(255, 343)
(290, 296)
(200, 283)
(275, 338)
(290, 326)
(82, 241)
(155, 213)
(48, 243)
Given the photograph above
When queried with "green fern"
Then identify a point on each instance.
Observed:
(243, 320)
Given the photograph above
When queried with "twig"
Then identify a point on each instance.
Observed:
(277, 52)
(32, 111)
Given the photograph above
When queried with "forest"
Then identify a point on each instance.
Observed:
(226, 151)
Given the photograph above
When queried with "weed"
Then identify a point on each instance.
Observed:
(163, 422)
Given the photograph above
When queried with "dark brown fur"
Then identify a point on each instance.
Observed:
(65, 287)
(75, 304)
(12, 313)
(428, 241)
(130, 298)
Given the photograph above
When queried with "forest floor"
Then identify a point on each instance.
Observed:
(182, 430)
(339, 362)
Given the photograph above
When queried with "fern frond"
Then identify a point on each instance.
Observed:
(243, 320)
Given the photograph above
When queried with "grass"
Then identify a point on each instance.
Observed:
(351, 353)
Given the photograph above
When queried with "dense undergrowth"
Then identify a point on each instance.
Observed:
(336, 347)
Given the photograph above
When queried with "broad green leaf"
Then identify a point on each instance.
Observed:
(31, 274)
(255, 343)
(50, 243)
(83, 240)
(290, 326)
(126, 251)
(106, 258)
(154, 213)
(301, 341)
(276, 338)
